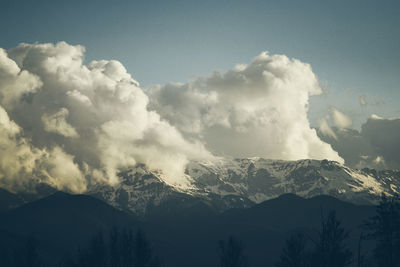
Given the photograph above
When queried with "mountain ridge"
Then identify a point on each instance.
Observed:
(241, 183)
(61, 224)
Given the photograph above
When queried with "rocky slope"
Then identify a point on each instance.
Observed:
(238, 183)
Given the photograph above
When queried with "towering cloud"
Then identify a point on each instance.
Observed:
(73, 125)
(259, 109)
(14, 82)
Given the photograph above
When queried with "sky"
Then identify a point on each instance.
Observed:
(352, 46)
(88, 88)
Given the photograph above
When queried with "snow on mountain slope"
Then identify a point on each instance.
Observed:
(139, 189)
(260, 179)
(230, 183)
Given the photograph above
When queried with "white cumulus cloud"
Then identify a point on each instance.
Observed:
(72, 125)
(57, 123)
(259, 109)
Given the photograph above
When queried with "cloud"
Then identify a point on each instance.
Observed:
(14, 82)
(368, 100)
(57, 123)
(383, 134)
(325, 129)
(24, 166)
(259, 109)
(73, 125)
(363, 100)
(340, 119)
(375, 146)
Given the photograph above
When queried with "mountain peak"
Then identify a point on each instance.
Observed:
(241, 182)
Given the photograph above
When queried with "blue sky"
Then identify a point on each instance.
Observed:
(353, 46)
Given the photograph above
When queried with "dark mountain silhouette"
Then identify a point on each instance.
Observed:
(263, 228)
(59, 223)
(9, 200)
(182, 235)
(287, 214)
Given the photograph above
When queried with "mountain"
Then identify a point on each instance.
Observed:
(241, 183)
(62, 222)
(9, 200)
(261, 179)
(142, 191)
(250, 198)
(263, 229)
(231, 183)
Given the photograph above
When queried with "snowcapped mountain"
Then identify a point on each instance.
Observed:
(238, 183)
(261, 179)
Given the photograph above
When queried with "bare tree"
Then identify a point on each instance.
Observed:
(231, 253)
(294, 253)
